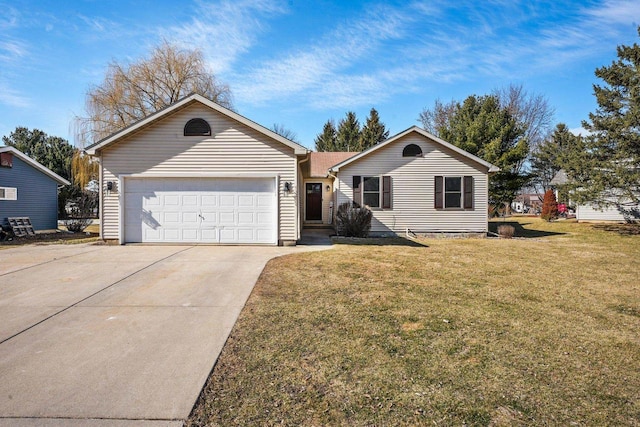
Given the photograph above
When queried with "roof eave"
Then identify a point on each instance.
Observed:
(94, 149)
(42, 168)
(491, 168)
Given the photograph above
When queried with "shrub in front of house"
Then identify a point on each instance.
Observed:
(81, 211)
(506, 231)
(549, 206)
(353, 220)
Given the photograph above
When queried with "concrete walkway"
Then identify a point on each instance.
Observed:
(117, 335)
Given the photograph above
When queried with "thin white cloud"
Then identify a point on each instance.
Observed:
(9, 17)
(13, 98)
(96, 24)
(12, 51)
(225, 29)
(324, 67)
(616, 12)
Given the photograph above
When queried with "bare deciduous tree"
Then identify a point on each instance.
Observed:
(283, 131)
(531, 110)
(437, 118)
(134, 91)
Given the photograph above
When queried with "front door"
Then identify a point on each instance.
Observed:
(313, 202)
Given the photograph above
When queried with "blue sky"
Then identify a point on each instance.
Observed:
(299, 63)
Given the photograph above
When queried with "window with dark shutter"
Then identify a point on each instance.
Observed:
(412, 150)
(439, 192)
(453, 192)
(197, 127)
(386, 192)
(468, 192)
(371, 191)
(357, 190)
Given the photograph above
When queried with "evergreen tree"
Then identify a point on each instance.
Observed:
(52, 152)
(552, 155)
(326, 141)
(373, 131)
(348, 136)
(483, 128)
(611, 170)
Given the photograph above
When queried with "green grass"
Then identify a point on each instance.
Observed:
(541, 330)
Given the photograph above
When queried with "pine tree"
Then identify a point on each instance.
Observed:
(483, 128)
(549, 206)
(348, 136)
(326, 141)
(373, 131)
(552, 155)
(53, 152)
(613, 164)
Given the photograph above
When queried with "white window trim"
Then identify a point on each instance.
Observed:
(379, 178)
(445, 192)
(10, 193)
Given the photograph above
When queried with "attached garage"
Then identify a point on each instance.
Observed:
(196, 172)
(200, 210)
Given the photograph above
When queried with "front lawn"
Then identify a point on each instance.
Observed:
(542, 330)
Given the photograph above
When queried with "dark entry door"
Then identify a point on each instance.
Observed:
(314, 202)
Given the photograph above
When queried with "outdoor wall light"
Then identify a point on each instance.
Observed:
(287, 187)
(109, 185)
(328, 188)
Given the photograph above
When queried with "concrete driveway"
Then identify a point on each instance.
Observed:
(116, 335)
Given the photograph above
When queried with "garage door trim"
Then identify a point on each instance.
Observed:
(122, 191)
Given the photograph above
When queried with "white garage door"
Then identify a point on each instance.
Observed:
(200, 210)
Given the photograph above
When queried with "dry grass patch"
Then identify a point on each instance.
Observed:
(458, 332)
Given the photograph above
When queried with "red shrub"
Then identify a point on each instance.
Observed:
(549, 206)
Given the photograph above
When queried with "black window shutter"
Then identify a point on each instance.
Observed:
(357, 190)
(386, 192)
(439, 196)
(468, 192)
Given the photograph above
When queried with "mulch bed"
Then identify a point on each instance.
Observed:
(44, 238)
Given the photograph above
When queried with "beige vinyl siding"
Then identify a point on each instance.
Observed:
(590, 213)
(232, 149)
(412, 188)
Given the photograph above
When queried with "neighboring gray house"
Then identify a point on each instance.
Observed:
(28, 189)
(621, 212)
(196, 172)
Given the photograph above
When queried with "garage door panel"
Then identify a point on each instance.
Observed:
(215, 210)
(209, 200)
(189, 235)
(151, 234)
(189, 218)
(227, 218)
(263, 218)
(263, 235)
(228, 200)
(171, 219)
(209, 235)
(228, 235)
(247, 200)
(190, 200)
(245, 218)
(246, 234)
(264, 201)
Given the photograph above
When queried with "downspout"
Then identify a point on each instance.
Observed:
(333, 197)
(298, 192)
